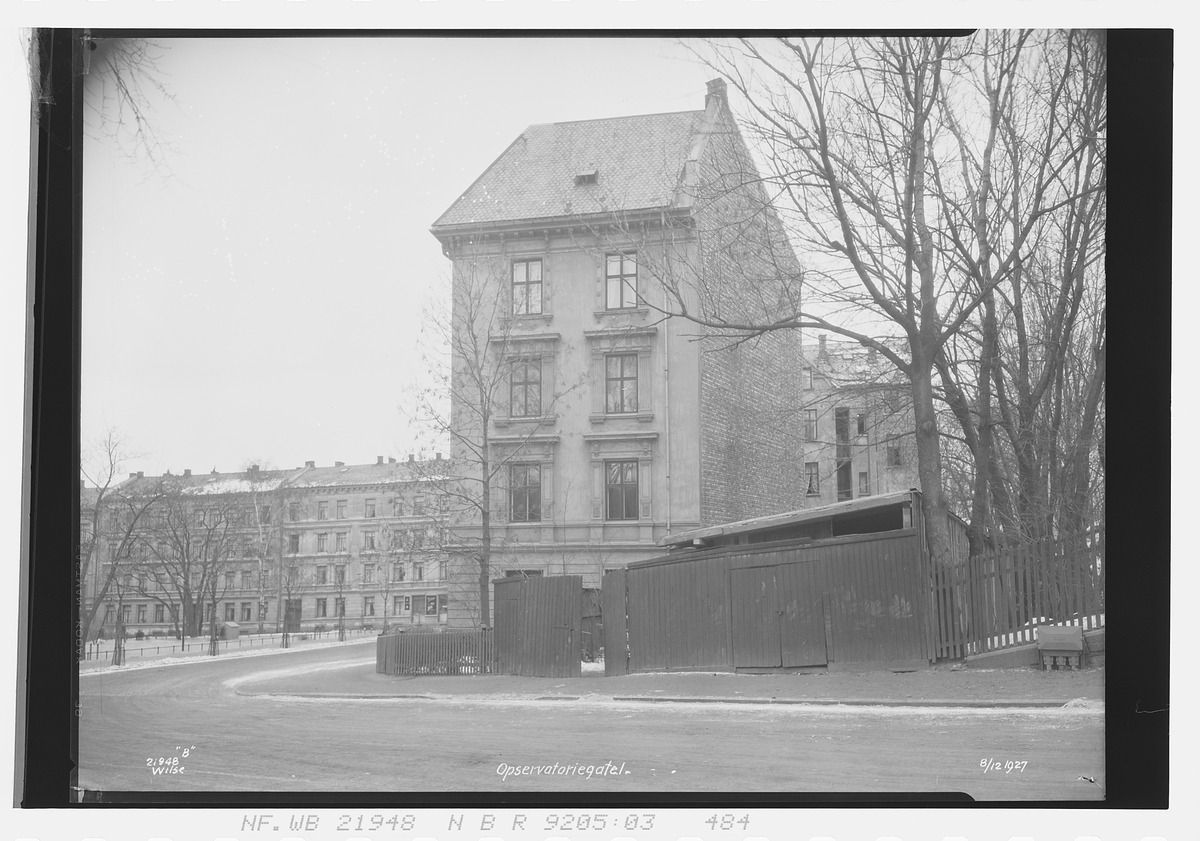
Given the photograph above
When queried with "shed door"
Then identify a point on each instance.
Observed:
(756, 638)
(802, 615)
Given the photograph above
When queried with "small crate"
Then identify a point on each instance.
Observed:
(1060, 648)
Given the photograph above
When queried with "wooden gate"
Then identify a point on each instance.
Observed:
(537, 628)
(778, 617)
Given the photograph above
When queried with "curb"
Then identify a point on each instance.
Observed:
(644, 699)
(858, 702)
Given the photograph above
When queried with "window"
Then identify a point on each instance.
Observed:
(812, 478)
(127, 613)
(894, 457)
(418, 572)
(525, 388)
(620, 282)
(322, 510)
(810, 424)
(864, 485)
(322, 609)
(525, 492)
(323, 542)
(245, 611)
(141, 613)
(397, 604)
(368, 573)
(368, 541)
(397, 508)
(418, 539)
(247, 579)
(341, 509)
(807, 378)
(339, 574)
(230, 611)
(418, 505)
(158, 613)
(339, 605)
(527, 287)
(621, 490)
(293, 544)
(293, 511)
(431, 606)
(266, 578)
(264, 514)
(368, 605)
(339, 541)
(620, 383)
(397, 572)
(108, 615)
(862, 423)
(370, 508)
(442, 569)
(322, 574)
(229, 579)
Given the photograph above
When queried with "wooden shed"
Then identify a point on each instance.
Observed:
(842, 586)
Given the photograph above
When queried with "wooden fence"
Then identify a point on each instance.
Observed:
(538, 625)
(996, 601)
(452, 653)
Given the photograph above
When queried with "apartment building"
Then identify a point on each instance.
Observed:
(856, 421)
(611, 426)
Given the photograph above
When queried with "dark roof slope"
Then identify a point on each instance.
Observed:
(639, 163)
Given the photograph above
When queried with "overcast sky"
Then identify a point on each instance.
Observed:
(262, 298)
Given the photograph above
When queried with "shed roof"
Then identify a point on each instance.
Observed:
(789, 518)
(638, 163)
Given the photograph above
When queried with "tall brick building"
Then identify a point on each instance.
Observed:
(610, 426)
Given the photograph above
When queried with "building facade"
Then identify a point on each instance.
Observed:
(601, 425)
(856, 422)
(269, 549)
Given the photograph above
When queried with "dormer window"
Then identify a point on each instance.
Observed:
(583, 179)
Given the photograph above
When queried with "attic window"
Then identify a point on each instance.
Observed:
(583, 179)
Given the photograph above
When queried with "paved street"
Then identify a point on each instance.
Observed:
(246, 725)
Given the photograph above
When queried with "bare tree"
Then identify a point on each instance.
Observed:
(884, 159)
(185, 548)
(111, 518)
(294, 582)
(471, 353)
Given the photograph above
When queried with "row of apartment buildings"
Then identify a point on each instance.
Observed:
(302, 548)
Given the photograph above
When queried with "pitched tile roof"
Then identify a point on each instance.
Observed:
(639, 162)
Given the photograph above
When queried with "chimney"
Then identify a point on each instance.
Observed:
(379, 459)
(310, 464)
(391, 460)
(140, 476)
(187, 471)
(822, 354)
(439, 456)
(716, 90)
(133, 475)
(339, 464)
(411, 458)
(254, 469)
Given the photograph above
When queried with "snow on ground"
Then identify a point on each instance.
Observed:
(90, 667)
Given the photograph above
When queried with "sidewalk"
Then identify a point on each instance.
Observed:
(165, 650)
(941, 686)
